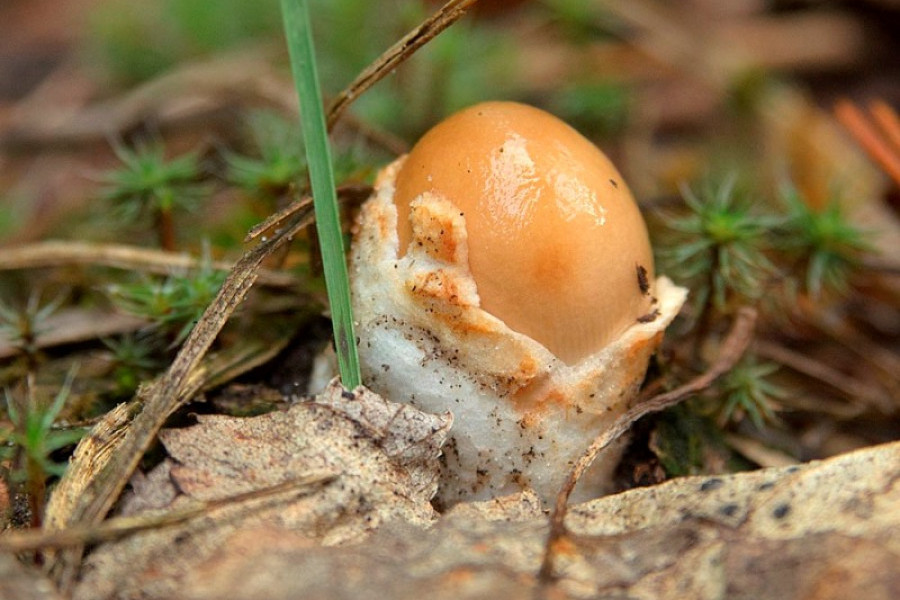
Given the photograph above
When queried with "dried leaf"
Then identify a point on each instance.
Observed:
(409, 436)
(386, 455)
(826, 530)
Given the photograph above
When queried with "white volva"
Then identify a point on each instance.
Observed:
(522, 414)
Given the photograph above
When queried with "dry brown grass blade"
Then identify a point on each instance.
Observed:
(91, 456)
(877, 135)
(732, 349)
(155, 403)
(115, 528)
(448, 14)
(55, 253)
(278, 217)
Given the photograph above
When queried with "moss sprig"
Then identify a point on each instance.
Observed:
(33, 434)
(748, 391)
(172, 304)
(21, 326)
(731, 251)
(279, 159)
(148, 184)
(825, 246)
(134, 359)
(30, 438)
(719, 247)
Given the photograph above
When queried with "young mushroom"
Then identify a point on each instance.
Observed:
(503, 272)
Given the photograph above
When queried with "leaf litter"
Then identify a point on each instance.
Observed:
(826, 529)
(385, 456)
(823, 530)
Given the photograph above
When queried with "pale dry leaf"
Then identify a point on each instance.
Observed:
(513, 508)
(409, 436)
(825, 530)
(20, 582)
(393, 565)
(224, 456)
(150, 491)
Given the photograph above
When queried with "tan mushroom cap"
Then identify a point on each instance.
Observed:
(556, 244)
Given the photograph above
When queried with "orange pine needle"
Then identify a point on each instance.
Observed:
(869, 137)
(886, 117)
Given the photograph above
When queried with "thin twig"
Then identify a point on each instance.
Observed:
(884, 362)
(448, 14)
(55, 253)
(348, 193)
(72, 325)
(851, 388)
(118, 527)
(729, 354)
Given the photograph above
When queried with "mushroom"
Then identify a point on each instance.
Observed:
(502, 271)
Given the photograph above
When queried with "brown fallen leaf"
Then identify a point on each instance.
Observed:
(825, 530)
(386, 455)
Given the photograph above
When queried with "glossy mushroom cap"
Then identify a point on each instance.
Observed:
(556, 244)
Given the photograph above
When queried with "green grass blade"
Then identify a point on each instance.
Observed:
(298, 33)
